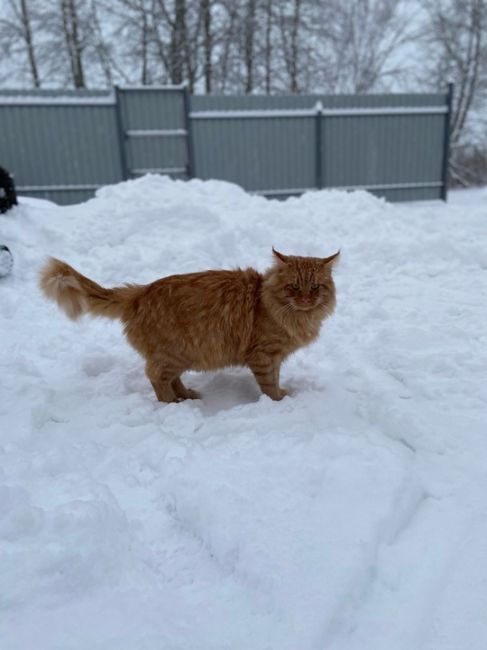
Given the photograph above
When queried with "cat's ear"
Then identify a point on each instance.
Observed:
(282, 258)
(333, 259)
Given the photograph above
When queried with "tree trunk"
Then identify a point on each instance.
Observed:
(207, 44)
(469, 80)
(228, 44)
(145, 42)
(294, 47)
(29, 43)
(249, 46)
(101, 46)
(71, 34)
(268, 47)
(178, 43)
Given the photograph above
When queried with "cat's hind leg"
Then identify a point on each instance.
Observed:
(181, 391)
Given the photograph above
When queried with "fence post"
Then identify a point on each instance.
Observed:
(318, 153)
(121, 135)
(446, 143)
(189, 132)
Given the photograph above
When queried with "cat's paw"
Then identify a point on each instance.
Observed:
(279, 395)
(192, 394)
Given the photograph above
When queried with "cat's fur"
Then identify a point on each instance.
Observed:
(209, 320)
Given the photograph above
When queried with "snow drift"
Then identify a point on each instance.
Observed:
(351, 515)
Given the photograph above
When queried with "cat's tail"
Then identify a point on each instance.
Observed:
(76, 294)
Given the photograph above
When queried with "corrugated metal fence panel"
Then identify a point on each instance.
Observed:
(279, 153)
(394, 150)
(376, 101)
(404, 150)
(258, 154)
(408, 194)
(251, 102)
(59, 196)
(258, 102)
(151, 110)
(63, 144)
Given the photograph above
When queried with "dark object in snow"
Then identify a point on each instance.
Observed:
(6, 261)
(8, 196)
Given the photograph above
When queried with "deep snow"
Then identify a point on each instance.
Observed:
(350, 516)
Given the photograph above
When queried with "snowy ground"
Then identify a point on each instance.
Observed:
(350, 516)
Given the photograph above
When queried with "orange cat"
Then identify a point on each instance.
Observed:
(209, 320)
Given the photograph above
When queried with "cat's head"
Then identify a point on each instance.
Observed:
(303, 283)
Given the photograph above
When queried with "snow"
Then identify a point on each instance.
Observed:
(137, 133)
(351, 515)
(251, 114)
(57, 100)
(6, 261)
(318, 109)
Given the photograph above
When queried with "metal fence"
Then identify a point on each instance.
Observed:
(64, 145)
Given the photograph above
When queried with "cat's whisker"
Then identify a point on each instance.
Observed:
(286, 309)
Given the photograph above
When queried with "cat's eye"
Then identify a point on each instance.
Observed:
(295, 286)
(315, 287)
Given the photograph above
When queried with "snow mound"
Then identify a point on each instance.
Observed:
(349, 516)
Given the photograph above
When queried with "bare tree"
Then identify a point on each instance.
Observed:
(456, 50)
(176, 33)
(178, 44)
(362, 40)
(125, 39)
(27, 31)
(456, 42)
(74, 45)
(269, 7)
(100, 46)
(170, 27)
(207, 43)
(249, 37)
(290, 21)
(193, 42)
(144, 44)
(16, 27)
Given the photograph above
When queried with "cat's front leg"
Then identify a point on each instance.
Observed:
(161, 376)
(266, 371)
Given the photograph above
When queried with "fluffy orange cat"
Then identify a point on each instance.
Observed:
(209, 320)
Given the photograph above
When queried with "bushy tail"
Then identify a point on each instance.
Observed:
(76, 294)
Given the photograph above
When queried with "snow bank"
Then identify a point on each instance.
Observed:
(349, 516)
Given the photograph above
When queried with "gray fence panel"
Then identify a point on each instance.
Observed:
(256, 102)
(65, 145)
(409, 194)
(394, 149)
(33, 95)
(156, 153)
(152, 108)
(259, 154)
(393, 155)
(59, 196)
(377, 101)
(146, 113)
